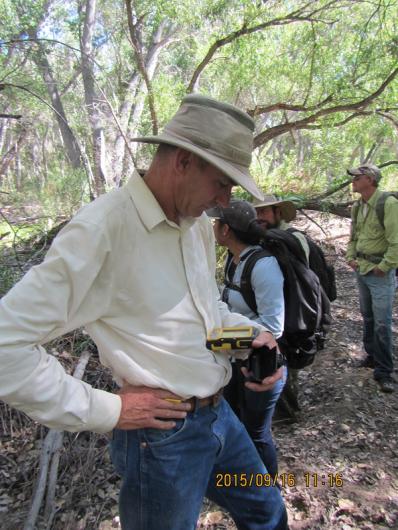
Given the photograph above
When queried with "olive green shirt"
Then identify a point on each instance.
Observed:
(370, 238)
(283, 225)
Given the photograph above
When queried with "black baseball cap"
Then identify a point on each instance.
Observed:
(239, 214)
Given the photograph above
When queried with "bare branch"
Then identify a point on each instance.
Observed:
(49, 460)
(304, 123)
(285, 106)
(332, 190)
(39, 40)
(21, 87)
(141, 63)
(389, 163)
(118, 126)
(11, 116)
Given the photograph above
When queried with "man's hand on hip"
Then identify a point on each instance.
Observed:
(353, 264)
(378, 272)
(144, 407)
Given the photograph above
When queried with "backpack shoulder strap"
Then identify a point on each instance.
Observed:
(354, 211)
(380, 205)
(354, 218)
(245, 288)
(229, 268)
(288, 240)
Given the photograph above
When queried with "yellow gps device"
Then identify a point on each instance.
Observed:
(236, 338)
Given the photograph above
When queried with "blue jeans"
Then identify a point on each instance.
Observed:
(376, 297)
(255, 410)
(166, 474)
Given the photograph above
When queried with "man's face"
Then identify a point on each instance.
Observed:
(268, 216)
(361, 183)
(203, 187)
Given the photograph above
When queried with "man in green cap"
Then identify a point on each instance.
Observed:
(373, 254)
(136, 268)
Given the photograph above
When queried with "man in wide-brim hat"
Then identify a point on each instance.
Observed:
(284, 210)
(277, 213)
(136, 267)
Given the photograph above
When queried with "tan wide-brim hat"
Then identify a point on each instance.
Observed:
(218, 132)
(287, 208)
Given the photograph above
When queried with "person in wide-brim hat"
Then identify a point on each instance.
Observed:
(287, 208)
(217, 132)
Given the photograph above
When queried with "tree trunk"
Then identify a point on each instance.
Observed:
(11, 154)
(70, 143)
(3, 131)
(133, 106)
(91, 98)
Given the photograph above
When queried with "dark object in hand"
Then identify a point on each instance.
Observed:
(264, 362)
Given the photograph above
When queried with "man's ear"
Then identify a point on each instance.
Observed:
(183, 160)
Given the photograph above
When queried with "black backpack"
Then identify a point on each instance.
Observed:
(307, 308)
(318, 263)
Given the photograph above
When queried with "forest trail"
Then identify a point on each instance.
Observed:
(338, 463)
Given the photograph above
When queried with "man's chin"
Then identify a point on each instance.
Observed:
(198, 212)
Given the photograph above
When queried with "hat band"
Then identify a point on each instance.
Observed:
(227, 152)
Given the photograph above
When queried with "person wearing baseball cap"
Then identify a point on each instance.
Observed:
(373, 254)
(136, 268)
(236, 227)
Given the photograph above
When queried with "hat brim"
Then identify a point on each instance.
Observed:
(239, 174)
(355, 172)
(287, 208)
(214, 213)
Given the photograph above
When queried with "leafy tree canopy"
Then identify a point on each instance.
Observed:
(319, 78)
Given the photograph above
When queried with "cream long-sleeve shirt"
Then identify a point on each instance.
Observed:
(143, 288)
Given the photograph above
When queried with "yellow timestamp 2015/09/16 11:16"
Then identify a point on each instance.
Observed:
(311, 480)
(333, 480)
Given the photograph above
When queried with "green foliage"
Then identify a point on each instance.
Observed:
(343, 52)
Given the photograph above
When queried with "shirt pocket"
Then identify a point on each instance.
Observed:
(373, 229)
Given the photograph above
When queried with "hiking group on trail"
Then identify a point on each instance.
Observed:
(136, 268)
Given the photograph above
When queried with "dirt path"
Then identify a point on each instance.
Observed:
(348, 430)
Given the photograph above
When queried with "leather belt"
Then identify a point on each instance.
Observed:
(373, 258)
(213, 400)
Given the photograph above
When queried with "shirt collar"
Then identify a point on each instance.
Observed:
(148, 208)
(373, 199)
(243, 254)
